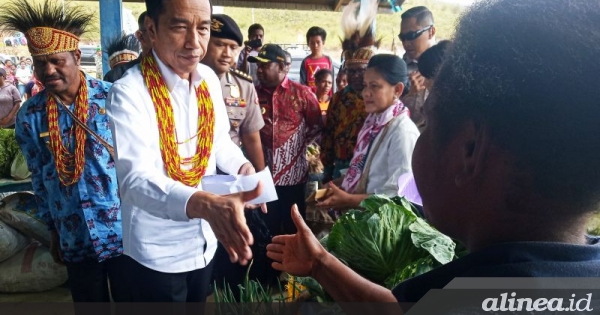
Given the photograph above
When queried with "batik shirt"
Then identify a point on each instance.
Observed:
(345, 116)
(292, 121)
(86, 215)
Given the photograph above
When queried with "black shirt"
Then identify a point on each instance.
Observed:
(117, 72)
(523, 259)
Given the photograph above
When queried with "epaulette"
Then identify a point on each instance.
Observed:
(241, 74)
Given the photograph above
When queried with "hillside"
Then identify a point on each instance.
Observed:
(289, 26)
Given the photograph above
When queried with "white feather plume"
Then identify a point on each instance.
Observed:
(354, 19)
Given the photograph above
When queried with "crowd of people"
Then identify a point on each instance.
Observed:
(117, 165)
(17, 83)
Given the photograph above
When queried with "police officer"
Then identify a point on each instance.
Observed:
(238, 91)
(246, 120)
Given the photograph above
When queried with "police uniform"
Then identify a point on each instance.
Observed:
(245, 117)
(241, 103)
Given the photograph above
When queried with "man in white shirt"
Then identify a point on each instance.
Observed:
(23, 75)
(164, 111)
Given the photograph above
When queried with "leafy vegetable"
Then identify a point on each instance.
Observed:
(8, 150)
(253, 299)
(386, 243)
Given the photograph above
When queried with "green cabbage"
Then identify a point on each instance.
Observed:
(387, 239)
(386, 243)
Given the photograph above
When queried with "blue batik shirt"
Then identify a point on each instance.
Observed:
(87, 214)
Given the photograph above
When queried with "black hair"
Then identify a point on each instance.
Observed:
(391, 67)
(322, 74)
(422, 14)
(253, 28)
(141, 19)
(22, 15)
(537, 99)
(287, 55)
(154, 8)
(316, 31)
(125, 41)
(431, 59)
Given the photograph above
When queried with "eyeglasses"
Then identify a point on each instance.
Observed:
(413, 35)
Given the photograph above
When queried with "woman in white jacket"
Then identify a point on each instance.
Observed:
(385, 142)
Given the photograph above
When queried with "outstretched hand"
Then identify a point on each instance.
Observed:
(296, 254)
(227, 220)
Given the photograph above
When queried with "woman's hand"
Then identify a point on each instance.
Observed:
(296, 254)
(335, 197)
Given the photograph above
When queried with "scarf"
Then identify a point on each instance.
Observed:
(373, 125)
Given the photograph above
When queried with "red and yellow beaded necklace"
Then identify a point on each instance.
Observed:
(69, 166)
(198, 163)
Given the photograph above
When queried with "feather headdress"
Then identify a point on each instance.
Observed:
(359, 42)
(49, 27)
(122, 49)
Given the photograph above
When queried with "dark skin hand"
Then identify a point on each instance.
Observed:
(337, 198)
(302, 255)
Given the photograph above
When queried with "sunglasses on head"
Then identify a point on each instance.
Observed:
(413, 35)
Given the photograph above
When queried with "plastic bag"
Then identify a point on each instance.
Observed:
(18, 168)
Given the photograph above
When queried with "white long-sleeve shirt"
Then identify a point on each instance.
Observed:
(393, 158)
(157, 232)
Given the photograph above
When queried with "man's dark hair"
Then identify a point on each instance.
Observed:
(253, 28)
(288, 56)
(538, 99)
(119, 43)
(322, 74)
(154, 8)
(316, 31)
(431, 59)
(422, 14)
(391, 67)
(141, 19)
(22, 15)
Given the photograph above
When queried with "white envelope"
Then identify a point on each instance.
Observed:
(228, 184)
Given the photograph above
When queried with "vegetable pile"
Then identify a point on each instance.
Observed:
(8, 150)
(386, 243)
